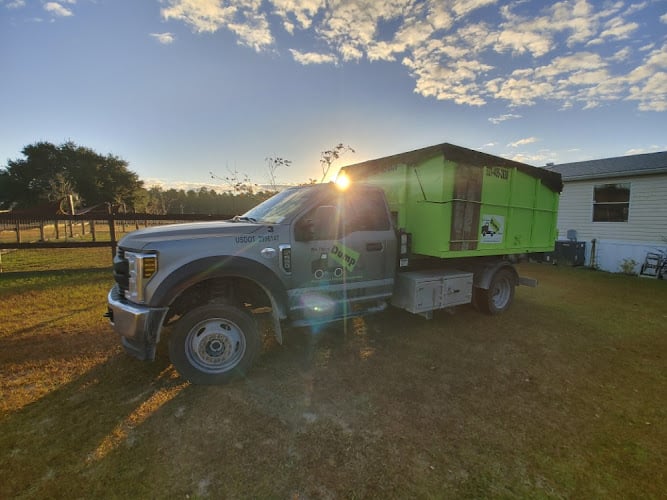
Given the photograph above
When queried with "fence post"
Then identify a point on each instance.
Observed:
(112, 231)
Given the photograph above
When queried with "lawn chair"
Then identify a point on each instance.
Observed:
(655, 265)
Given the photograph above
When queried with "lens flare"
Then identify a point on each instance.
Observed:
(342, 181)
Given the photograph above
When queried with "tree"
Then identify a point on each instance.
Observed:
(26, 183)
(61, 191)
(272, 165)
(327, 158)
(5, 190)
(47, 170)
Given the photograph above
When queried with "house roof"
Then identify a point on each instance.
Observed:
(620, 166)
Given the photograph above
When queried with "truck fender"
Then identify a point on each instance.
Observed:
(482, 276)
(227, 267)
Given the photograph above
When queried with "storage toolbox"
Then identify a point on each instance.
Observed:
(423, 291)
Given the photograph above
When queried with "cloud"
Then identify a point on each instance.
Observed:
(619, 29)
(572, 52)
(57, 9)
(651, 149)
(522, 142)
(502, 118)
(164, 38)
(519, 91)
(16, 4)
(621, 55)
(306, 58)
(243, 18)
(455, 82)
(464, 7)
(520, 42)
(539, 158)
(297, 13)
(201, 15)
(648, 82)
(651, 93)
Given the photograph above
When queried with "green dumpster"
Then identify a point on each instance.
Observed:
(457, 202)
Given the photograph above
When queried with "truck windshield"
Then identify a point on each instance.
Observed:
(281, 206)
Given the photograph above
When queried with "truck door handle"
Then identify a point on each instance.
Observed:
(375, 246)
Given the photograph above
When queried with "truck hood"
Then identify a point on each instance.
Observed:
(139, 240)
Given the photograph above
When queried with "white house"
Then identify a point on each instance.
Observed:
(618, 206)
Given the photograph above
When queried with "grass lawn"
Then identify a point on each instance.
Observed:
(563, 396)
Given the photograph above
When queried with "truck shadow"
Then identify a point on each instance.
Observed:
(72, 427)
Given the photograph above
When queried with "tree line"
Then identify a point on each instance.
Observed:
(69, 177)
(156, 200)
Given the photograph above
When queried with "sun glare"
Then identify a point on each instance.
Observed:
(342, 181)
(121, 433)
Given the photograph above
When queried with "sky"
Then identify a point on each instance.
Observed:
(181, 89)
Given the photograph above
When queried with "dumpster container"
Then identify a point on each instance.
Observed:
(456, 202)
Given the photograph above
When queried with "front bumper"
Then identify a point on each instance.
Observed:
(138, 326)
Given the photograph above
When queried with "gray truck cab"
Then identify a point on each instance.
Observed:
(311, 254)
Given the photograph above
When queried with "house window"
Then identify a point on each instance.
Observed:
(611, 202)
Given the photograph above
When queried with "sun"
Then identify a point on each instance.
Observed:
(342, 181)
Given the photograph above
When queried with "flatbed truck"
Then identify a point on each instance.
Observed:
(425, 230)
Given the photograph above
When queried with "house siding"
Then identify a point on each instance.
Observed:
(644, 231)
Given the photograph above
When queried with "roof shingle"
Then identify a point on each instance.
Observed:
(620, 166)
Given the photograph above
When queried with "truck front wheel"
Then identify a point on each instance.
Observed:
(499, 296)
(214, 344)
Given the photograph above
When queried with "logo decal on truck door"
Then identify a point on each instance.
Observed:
(345, 256)
(325, 268)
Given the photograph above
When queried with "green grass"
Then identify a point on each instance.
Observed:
(54, 260)
(563, 396)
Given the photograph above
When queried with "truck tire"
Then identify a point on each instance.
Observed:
(214, 344)
(499, 296)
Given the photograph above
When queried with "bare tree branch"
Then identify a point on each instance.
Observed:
(327, 158)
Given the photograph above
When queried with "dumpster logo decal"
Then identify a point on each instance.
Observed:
(493, 228)
(332, 264)
(345, 256)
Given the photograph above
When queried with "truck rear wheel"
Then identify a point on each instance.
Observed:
(214, 344)
(498, 298)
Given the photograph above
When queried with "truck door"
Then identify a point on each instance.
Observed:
(343, 256)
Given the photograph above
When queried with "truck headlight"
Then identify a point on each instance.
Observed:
(141, 268)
